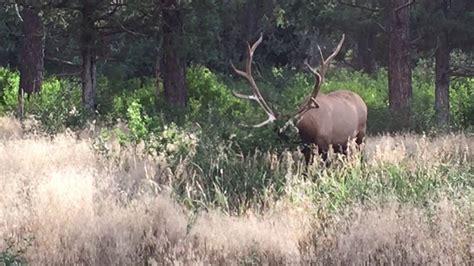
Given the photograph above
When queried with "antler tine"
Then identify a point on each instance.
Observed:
(253, 85)
(247, 74)
(317, 81)
(321, 54)
(310, 101)
(256, 44)
(240, 72)
(326, 62)
(312, 69)
(338, 48)
(269, 120)
(243, 96)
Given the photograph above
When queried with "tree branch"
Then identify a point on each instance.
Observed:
(61, 4)
(17, 11)
(462, 71)
(345, 62)
(126, 29)
(358, 6)
(409, 3)
(380, 26)
(66, 74)
(62, 61)
(111, 13)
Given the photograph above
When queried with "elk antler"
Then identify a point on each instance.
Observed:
(319, 77)
(256, 95)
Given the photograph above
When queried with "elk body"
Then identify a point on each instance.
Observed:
(325, 120)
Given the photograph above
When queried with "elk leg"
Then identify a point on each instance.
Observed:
(359, 141)
(324, 152)
(308, 154)
(360, 137)
(324, 155)
(340, 149)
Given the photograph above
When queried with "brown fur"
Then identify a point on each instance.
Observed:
(340, 117)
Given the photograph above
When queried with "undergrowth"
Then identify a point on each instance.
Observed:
(80, 198)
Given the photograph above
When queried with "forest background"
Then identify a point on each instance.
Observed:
(142, 92)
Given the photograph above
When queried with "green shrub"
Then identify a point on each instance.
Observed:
(115, 97)
(15, 251)
(56, 107)
(137, 122)
(212, 105)
(174, 142)
(462, 102)
(210, 97)
(9, 83)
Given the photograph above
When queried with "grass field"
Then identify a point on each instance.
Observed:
(407, 199)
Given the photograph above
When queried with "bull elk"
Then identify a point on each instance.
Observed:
(325, 120)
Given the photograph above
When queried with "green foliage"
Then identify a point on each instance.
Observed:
(57, 106)
(9, 83)
(14, 253)
(137, 122)
(229, 179)
(169, 142)
(212, 105)
(174, 142)
(115, 96)
(210, 97)
(461, 102)
(10, 259)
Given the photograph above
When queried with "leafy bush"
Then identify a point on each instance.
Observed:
(137, 122)
(115, 97)
(212, 105)
(15, 251)
(462, 102)
(9, 82)
(57, 106)
(210, 97)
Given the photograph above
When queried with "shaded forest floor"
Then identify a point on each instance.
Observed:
(407, 199)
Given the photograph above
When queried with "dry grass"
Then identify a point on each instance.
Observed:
(415, 149)
(399, 234)
(9, 128)
(66, 205)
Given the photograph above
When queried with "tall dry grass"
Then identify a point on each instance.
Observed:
(61, 203)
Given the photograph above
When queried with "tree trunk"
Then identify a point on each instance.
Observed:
(158, 79)
(399, 69)
(442, 57)
(365, 49)
(88, 72)
(88, 76)
(174, 63)
(31, 54)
